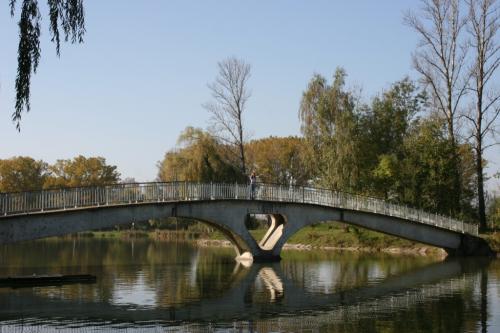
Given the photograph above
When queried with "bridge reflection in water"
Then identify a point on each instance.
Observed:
(283, 297)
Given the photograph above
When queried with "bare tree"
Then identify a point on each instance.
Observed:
(483, 25)
(441, 61)
(230, 94)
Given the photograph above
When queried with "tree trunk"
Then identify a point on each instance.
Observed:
(241, 144)
(480, 194)
(457, 179)
(479, 163)
(243, 163)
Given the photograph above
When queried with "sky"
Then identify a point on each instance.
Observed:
(141, 75)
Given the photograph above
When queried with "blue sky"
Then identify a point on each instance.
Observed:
(141, 76)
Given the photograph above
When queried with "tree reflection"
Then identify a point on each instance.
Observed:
(178, 283)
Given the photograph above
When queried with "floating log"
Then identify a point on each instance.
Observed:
(45, 280)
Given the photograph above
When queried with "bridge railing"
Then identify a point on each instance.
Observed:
(120, 194)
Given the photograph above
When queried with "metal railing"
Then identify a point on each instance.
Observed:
(120, 194)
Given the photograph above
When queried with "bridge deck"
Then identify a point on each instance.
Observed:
(23, 203)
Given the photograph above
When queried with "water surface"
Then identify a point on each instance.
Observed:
(147, 286)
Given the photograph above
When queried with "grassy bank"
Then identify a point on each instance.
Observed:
(320, 236)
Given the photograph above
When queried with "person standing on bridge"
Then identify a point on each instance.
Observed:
(253, 184)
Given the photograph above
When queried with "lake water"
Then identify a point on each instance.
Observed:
(147, 286)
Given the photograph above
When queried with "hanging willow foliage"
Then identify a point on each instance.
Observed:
(66, 17)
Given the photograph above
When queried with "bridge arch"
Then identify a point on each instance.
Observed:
(41, 214)
(228, 216)
(239, 243)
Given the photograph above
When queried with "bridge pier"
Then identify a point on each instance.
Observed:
(267, 257)
(262, 256)
(267, 249)
(471, 246)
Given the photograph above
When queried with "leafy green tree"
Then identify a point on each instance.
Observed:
(200, 157)
(426, 180)
(386, 176)
(279, 160)
(392, 148)
(22, 174)
(82, 171)
(330, 126)
(66, 16)
(408, 154)
(384, 128)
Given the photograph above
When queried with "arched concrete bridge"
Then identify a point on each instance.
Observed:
(32, 215)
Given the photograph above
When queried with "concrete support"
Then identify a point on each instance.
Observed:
(274, 232)
(472, 246)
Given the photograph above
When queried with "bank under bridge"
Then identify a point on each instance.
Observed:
(226, 207)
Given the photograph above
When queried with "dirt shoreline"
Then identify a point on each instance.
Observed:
(421, 251)
(417, 250)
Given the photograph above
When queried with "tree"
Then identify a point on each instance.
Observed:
(65, 15)
(330, 124)
(494, 212)
(200, 157)
(82, 171)
(230, 95)
(279, 160)
(22, 174)
(385, 125)
(441, 61)
(483, 24)
(424, 171)
(387, 148)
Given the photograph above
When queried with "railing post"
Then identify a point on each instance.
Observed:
(303, 194)
(42, 201)
(64, 199)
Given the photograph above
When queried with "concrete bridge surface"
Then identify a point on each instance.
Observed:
(33, 215)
